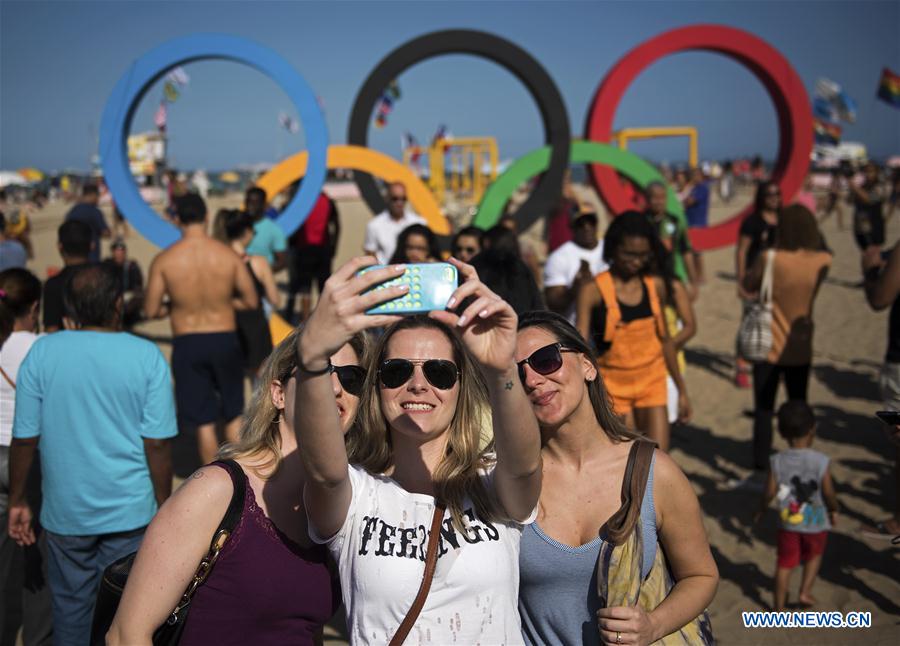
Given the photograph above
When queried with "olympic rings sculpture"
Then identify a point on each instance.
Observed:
(635, 168)
(515, 59)
(774, 71)
(122, 104)
(421, 198)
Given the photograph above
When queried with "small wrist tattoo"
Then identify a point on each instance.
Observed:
(508, 385)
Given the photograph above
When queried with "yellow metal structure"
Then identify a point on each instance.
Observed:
(465, 170)
(622, 137)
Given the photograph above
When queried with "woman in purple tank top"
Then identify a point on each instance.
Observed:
(270, 584)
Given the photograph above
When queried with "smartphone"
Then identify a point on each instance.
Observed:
(889, 417)
(430, 286)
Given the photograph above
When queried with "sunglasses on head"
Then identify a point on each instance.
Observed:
(440, 373)
(544, 361)
(350, 377)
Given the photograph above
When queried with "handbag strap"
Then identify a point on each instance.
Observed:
(7, 378)
(620, 524)
(430, 564)
(765, 292)
(225, 529)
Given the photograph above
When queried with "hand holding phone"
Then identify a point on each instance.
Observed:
(430, 286)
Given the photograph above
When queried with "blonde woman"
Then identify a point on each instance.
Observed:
(417, 451)
(270, 584)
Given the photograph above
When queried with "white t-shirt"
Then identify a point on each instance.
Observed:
(382, 232)
(11, 357)
(563, 264)
(380, 551)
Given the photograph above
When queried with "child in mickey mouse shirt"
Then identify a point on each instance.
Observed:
(799, 480)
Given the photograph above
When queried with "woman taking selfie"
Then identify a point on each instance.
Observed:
(418, 452)
(270, 583)
(656, 579)
(621, 312)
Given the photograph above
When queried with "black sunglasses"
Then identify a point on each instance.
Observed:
(398, 198)
(440, 373)
(544, 361)
(471, 250)
(351, 377)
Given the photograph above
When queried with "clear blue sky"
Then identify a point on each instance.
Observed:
(59, 61)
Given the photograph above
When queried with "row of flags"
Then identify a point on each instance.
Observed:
(386, 103)
(832, 105)
(176, 80)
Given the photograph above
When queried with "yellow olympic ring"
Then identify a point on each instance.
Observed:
(370, 161)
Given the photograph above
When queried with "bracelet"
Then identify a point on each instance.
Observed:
(307, 371)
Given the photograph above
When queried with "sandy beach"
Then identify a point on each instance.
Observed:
(858, 574)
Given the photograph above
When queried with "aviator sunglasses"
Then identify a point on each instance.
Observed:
(440, 373)
(351, 377)
(544, 361)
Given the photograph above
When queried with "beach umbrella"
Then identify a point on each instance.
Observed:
(31, 174)
(230, 177)
(10, 178)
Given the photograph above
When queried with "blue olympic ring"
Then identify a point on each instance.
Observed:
(134, 84)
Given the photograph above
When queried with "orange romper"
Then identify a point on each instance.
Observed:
(633, 368)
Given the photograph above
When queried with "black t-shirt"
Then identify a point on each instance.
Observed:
(761, 234)
(93, 217)
(54, 309)
(132, 279)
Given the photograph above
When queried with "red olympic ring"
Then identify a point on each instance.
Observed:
(774, 71)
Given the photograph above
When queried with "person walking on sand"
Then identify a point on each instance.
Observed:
(206, 282)
(800, 479)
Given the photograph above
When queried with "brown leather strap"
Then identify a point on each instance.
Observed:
(430, 565)
(7, 378)
(620, 524)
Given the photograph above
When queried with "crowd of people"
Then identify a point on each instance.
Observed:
(499, 445)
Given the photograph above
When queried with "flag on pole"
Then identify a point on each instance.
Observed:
(170, 91)
(160, 117)
(288, 123)
(889, 88)
(826, 133)
(393, 89)
(409, 141)
(441, 133)
(178, 76)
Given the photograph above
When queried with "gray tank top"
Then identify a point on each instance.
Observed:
(558, 583)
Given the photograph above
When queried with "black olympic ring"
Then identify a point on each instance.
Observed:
(540, 85)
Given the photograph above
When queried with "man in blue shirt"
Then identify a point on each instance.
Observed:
(86, 211)
(12, 253)
(268, 238)
(696, 205)
(100, 403)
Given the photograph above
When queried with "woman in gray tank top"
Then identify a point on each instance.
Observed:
(585, 451)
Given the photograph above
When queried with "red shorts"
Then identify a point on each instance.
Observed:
(796, 547)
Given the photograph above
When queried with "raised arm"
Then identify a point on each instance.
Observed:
(488, 328)
(176, 540)
(339, 315)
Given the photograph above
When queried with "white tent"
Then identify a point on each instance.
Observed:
(11, 178)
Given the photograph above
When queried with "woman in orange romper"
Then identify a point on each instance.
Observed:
(620, 312)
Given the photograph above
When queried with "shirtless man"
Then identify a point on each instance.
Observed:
(206, 282)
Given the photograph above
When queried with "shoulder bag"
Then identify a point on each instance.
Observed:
(755, 334)
(115, 576)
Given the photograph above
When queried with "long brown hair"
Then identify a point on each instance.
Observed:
(565, 333)
(260, 434)
(457, 476)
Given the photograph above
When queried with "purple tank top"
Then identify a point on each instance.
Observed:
(264, 589)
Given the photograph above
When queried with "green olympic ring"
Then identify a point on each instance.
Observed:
(537, 161)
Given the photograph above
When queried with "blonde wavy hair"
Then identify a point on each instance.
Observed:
(260, 435)
(456, 477)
